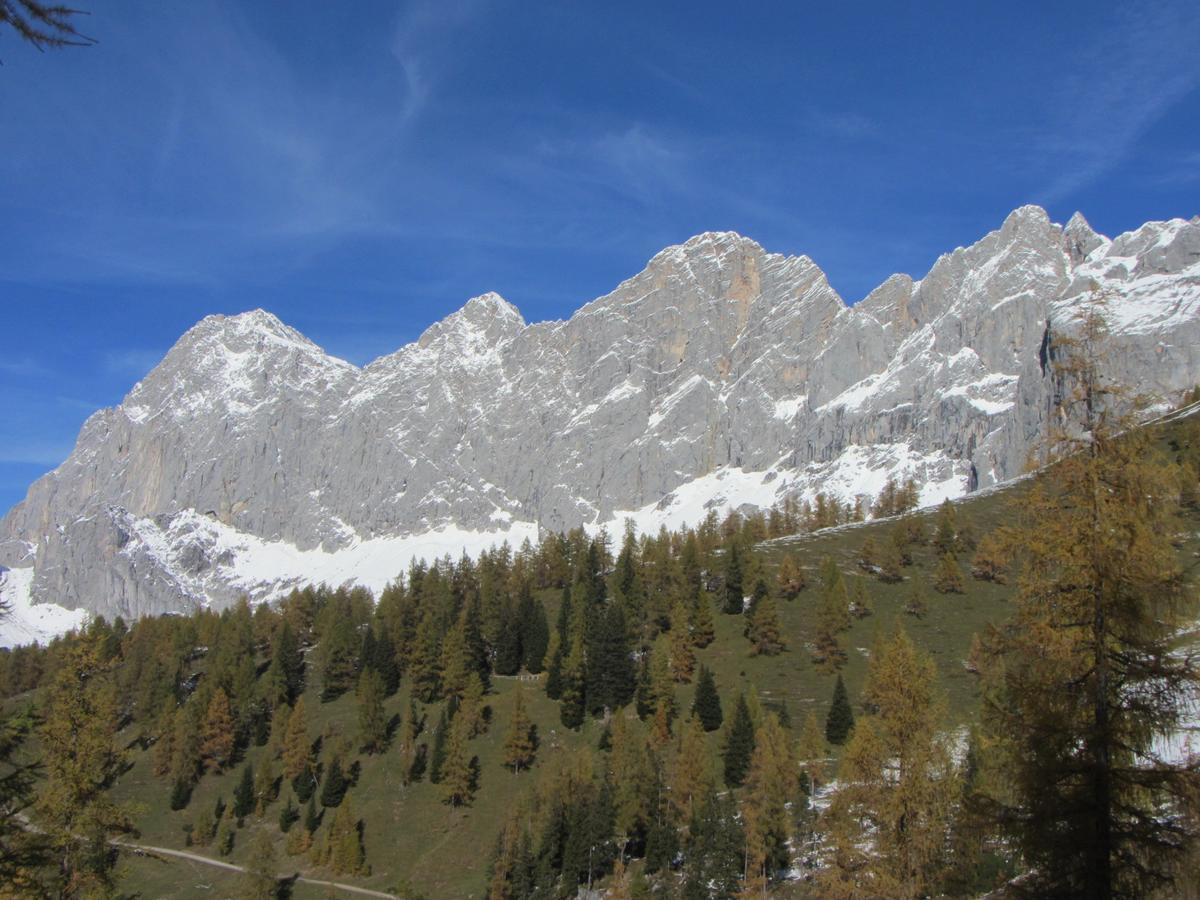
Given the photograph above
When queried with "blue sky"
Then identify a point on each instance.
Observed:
(361, 174)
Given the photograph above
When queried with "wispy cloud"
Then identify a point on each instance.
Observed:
(1111, 94)
(424, 34)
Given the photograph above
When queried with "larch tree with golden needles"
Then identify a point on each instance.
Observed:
(889, 820)
(772, 784)
(1085, 683)
(81, 761)
(519, 745)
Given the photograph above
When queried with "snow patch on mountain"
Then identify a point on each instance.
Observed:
(26, 622)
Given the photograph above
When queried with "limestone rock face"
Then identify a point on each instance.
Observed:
(720, 376)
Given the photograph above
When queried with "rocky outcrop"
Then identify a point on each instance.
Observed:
(720, 375)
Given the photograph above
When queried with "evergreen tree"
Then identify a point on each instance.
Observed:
(535, 637)
(285, 676)
(715, 851)
(733, 580)
(437, 756)
(608, 665)
(1085, 679)
(339, 658)
(226, 834)
(508, 651)
(288, 816)
(243, 794)
(707, 703)
(739, 744)
(409, 732)
(571, 707)
(948, 579)
(312, 818)
(372, 720)
(840, 720)
(554, 668)
(335, 786)
(519, 746)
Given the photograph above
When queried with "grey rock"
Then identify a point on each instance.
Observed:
(721, 371)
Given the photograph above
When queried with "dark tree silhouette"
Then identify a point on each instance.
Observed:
(44, 25)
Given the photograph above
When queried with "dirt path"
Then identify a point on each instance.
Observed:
(147, 850)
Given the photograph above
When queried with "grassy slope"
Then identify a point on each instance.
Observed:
(444, 852)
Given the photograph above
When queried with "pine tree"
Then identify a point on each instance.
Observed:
(218, 739)
(739, 744)
(948, 579)
(243, 794)
(714, 856)
(288, 816)
(285, 676)
(840, 721)
(519, 746)
(1085, 678)
(335, 786)
(733, 581)
(437, 756)
(707, 703)
(339, 658)
(226, 833)
(571, 706)
(535, 637)
(372, 720)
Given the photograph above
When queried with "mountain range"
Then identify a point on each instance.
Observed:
(721, 376)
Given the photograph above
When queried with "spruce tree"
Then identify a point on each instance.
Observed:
(409, 732)
(707, 703)
(437, 756)
(840, 720)
(733, 580)
(335, 786)
(572, 705)
(372, 720)
(243, 794)
(288, 816)
(739, 744)
(535, 638)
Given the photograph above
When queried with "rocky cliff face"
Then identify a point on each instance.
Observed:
(720, 375)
